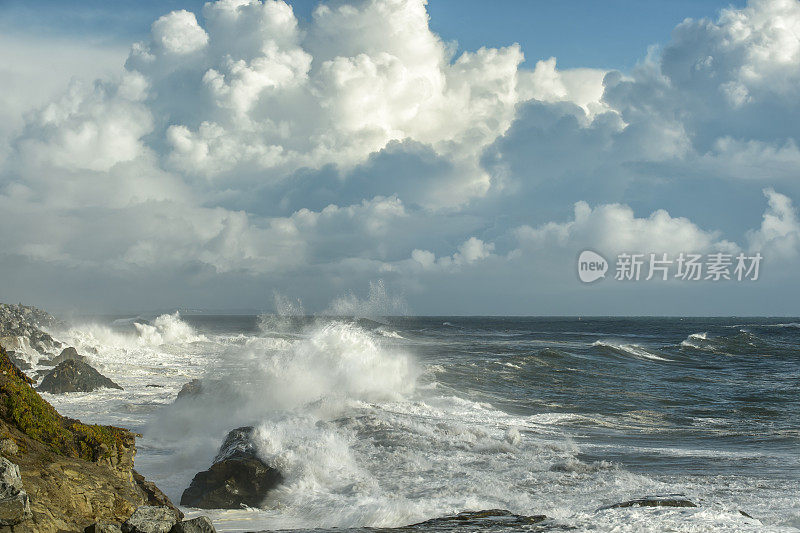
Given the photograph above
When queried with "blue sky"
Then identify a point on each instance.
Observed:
(166, 154)
(580, 33)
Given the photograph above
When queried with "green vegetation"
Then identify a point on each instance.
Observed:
(22, 407)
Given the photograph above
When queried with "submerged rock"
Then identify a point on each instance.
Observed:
(652, 501)
(201, 524)
(237, 477)
(150, 519)
(14, 503)
(75, 376)
(478, 521)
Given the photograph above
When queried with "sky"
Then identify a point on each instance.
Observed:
(442, 158)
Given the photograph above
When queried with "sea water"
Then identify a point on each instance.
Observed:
(387, 422)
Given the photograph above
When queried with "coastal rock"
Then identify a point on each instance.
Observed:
(74, 376)
(201, 524)
(14, 503)
(150, 519)
(75, 474)
(480, 521)
(103, 527)
(67, 354)
(237, 477)
(652, 501)
(18, 360)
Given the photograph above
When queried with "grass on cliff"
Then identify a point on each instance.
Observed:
(22, 407)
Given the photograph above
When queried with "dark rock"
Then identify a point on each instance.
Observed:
(201, 524)
(206, 387)
(479, 521)
(103, 527)
(192, 389)
(150, 519)
(652, 501)
(14, 503)
(745, 514)
(67, 354)
(74, 376)
(237, 477)
(154, 386)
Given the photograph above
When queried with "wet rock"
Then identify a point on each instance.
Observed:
(103, 527)
(652, 501)
(206, 387)
(150, 519)
(201, 524)
(74, 376)
(14, 503)
(237, 477)
(479, 521)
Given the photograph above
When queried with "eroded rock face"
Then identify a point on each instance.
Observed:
(14, 504)
(75, 474)
(75, 376)
(237, 477)
(150, 519)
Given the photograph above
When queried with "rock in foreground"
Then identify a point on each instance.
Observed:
(75, 376)
(75, 474)
(237, 477)
(150, 519)
(14, 504)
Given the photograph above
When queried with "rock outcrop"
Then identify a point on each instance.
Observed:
(201, 524)
(74, 376)
(237, 477)
(21, 330)
(67, 354)
(74, 474)
(150, 519)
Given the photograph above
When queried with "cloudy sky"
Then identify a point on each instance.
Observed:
(457, 156)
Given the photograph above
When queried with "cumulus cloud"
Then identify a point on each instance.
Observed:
(613, 228)
(245, 142)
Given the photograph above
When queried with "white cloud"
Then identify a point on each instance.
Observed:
(356, 143)
(779, 234)
(613, 228)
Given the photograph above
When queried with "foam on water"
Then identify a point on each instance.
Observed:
(367, 435)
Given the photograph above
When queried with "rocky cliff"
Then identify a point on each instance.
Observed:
(74, 474)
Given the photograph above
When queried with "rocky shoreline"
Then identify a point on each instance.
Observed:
(58, 474)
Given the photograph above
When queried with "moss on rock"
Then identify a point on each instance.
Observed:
(22, 407)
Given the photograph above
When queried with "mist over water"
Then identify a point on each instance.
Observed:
(384, 422)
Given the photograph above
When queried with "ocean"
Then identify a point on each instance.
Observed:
(386, 422)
